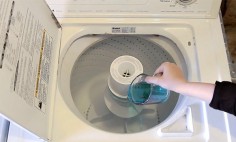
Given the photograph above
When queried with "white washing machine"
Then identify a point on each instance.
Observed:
(57, 72)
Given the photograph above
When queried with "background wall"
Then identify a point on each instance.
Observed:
(228, 9)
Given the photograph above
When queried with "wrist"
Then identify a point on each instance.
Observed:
(180, 87)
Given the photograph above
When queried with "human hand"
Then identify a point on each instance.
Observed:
(169, 76)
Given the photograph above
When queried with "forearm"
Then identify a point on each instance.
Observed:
(203, 91)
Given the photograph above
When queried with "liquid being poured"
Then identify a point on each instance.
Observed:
(139, 92)
(142, 93)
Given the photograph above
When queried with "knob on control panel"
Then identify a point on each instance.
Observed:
(186, 2)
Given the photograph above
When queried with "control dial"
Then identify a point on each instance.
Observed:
(186, 2)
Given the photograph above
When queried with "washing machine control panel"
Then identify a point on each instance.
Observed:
(136, 8)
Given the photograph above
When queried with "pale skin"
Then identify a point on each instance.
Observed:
(172, 78)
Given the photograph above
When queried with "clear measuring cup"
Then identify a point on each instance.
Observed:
(140, 92)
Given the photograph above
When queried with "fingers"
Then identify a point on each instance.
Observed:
(163, 74)
(161, 69)
(151, 79)
(157, 74)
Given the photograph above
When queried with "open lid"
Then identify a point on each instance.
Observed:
(28, 39)
(135, 8)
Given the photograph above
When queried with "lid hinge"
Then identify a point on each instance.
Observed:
(56, 21)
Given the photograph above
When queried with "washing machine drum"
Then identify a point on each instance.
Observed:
(97, 102)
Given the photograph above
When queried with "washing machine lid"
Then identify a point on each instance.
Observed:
(28, 39)
(135, 8)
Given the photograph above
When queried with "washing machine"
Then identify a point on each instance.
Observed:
(66, 65)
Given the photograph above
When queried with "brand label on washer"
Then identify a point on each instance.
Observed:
(123, 29)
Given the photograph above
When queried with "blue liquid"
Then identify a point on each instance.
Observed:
(140, 92)
(159, 94)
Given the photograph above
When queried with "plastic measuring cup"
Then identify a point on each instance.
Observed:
(140, 92)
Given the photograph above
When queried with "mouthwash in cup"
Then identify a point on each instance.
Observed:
(140, 92)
